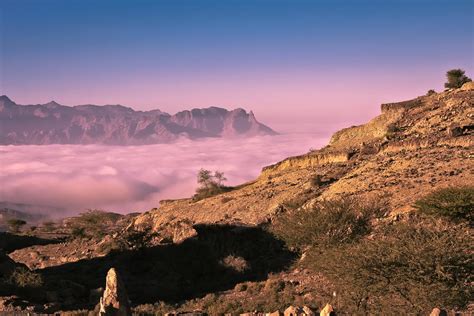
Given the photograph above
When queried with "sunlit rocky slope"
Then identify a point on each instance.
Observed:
(410, 149)
(245, 249)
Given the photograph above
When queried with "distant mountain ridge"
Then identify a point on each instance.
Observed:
(53, 123)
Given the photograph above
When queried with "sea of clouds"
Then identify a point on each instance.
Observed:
(125, 179)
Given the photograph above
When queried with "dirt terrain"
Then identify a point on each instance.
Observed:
(409, 150)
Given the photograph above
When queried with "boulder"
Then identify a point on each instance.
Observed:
(438, 312)
(327, 310)
(468, 86)
(308, 311)
(114, 301)
(298, 311)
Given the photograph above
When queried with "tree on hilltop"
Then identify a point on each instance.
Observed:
(456, 78)
(210, 183)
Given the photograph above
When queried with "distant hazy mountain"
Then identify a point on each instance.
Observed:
(53, 123)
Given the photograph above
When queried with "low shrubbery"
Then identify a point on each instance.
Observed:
(454, 203)
(407, 269)
(327, 223)
(15, 225)
(92, 224)
(391, 267)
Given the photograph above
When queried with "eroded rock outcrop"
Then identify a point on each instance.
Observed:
(114, 301)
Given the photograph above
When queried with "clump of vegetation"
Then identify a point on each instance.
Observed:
(430, 92)
(407, 269)
(327, 223)
(49, 226)
(236, 263)
(92, 224)
(391, 131)
(454, 203)
(298, 201)
(15, 225)
(24, 278)
(456, 78)
(226, 199)
(210, 184)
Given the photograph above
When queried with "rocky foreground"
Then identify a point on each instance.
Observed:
(251, 248)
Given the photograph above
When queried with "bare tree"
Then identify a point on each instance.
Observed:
(219, 178)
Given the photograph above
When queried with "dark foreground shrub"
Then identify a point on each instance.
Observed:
(24, 278)
(454, 203)
(408, 270)
(328, 223)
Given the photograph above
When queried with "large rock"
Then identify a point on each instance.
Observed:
(115, 300)
(326, 311)
(438, 312)
(298, 311)
(468, 86)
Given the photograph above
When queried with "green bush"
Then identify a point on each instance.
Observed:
(328, 223)
(454, 203)
(408, 270)
(456, 78)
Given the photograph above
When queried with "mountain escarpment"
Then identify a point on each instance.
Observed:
(52, 123)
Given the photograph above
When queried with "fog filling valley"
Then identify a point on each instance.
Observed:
(125, 179)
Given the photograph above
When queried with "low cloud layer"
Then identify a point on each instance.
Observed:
(135, 178)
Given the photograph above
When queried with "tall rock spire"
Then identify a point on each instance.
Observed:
(115, 301)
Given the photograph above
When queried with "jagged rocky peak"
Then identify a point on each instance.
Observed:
(53, 123)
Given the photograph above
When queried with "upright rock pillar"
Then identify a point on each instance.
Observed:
(114, 301)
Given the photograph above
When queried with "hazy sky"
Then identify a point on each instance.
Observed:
(300, 65)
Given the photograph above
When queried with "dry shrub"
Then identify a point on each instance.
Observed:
(328, 223)
(407, 270)
(235, 263)
(24, 278)
(456, 204)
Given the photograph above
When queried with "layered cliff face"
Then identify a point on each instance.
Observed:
(53, 123)
(412, 148)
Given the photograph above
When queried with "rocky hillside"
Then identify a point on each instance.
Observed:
(53, 123)
(410, 149)
(342, 225)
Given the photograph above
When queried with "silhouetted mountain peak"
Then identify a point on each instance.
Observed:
(53, 123)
